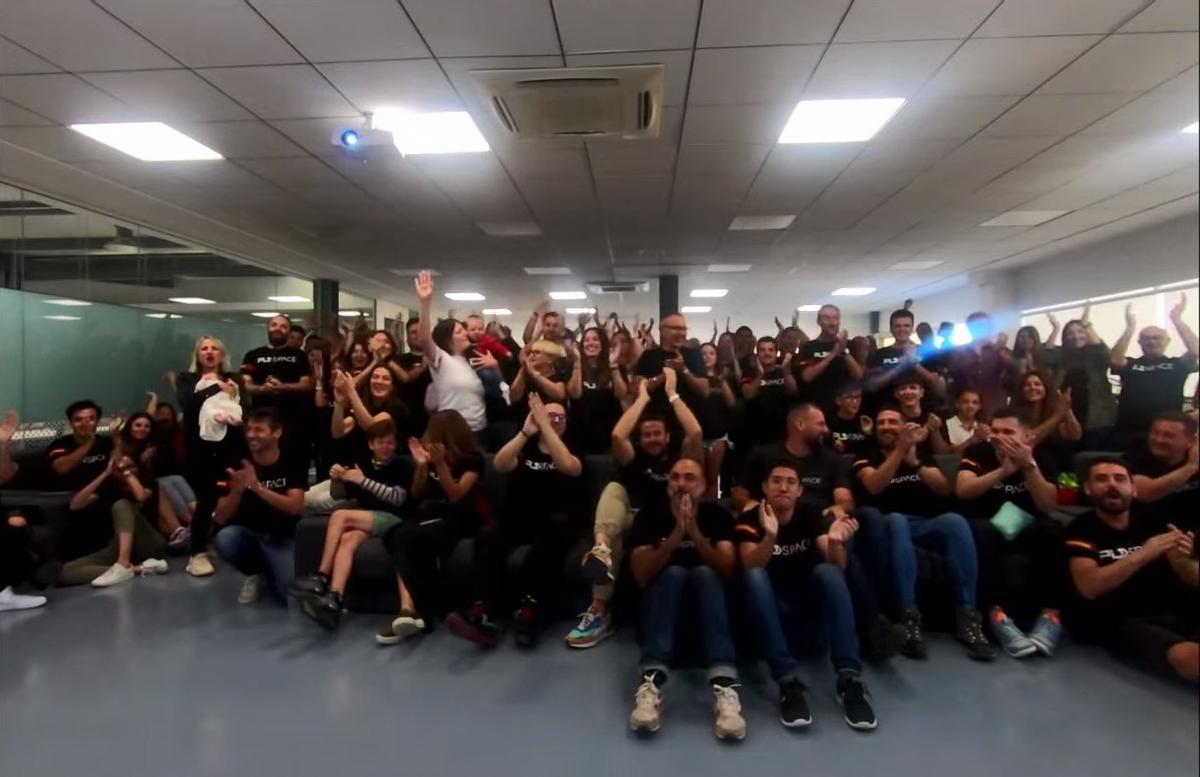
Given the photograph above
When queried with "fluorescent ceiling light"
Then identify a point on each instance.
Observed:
(580, 311)
(510, 228)
(62, 318)
(1023, 218)
(808, 308)
(696, 309)
(916, 264)
(413, 272)
(163, 315)
(192, 300)
(497, 312)
(1191, 129)
(1056, 306)
(547, 270)
(709, 293)
(745, 223)
(853, 291)
(568, 295)
(352, 313)
(289, 298)
(838, 121)
(149, 141)
(450, 132)
(68, 303)
(465, 296)
(1118, 295)
(1179, 284)
(729, 268)
(263, 314)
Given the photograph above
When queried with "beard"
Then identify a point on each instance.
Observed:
(1114, 502)
(277, 338)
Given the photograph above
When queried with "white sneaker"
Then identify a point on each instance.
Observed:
(199, 565)
(113, 575)
(251, 589)
(154, 566)
(647, 706)
(727, 707)
(407, 626)
(11, 601)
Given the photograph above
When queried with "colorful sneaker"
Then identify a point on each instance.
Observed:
(647, 707)
(153, 566)
(1011, 639)
(855, 699)
(525, 632)
(598, 565)
(113, 575)
(969, 631)
(1046, 632)
(180, 539)
(251, 590)
(914, 640)
(474, 626)
(727, 709)
(793, 705)
(594, 627)
(199, 565)
(12, 601)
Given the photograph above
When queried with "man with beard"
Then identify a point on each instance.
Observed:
(826, 363)
(279, 376)
(1165, 471)
(687, 363)
(642, 480)
(682, 554)
(1136, 583)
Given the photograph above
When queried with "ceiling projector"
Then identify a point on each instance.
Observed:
(357, 138)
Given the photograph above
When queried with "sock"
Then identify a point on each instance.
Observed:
(998, 615)
(656, 676)
(1053, 615)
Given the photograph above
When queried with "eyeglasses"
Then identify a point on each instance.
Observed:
(558, 417)
(676, 328)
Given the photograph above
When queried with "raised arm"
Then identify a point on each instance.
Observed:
(1154, 489)
(1185, 332)
(622, 447)
(692, 445)
(424, 286)
(567, 462)
(1117, 356)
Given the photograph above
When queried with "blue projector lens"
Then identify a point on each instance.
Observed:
(350, 138)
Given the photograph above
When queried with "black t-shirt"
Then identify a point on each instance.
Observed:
(593, 417)
(849, 432)
(907, 493)
(1150, 385)
(255, 514)
(882, 360)
(413, 393)
(85, 471)
(766, 414)
(1181, 508)
(433, 486)
(981, 459)
(796, 553)
(538, 487)
(715, 416)
(820, 472)
(645, 477)
(822, 390)
(652, 525)
(651, 366)
(394, 472)
(288, 365)
(1153, 589)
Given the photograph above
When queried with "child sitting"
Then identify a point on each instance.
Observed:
(965, 428)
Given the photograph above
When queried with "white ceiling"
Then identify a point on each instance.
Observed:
(1015, 104)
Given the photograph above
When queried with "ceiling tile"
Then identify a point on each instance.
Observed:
(91, 40)
(626, 25)
(15, 116)
(297, 172)
(721, 158)
(945, 117)
(283, 92)
(206, 33)
(889, 20)
(550, 163)
(65, 99)
(1128, 63)
(1054, 114)
(860, 70)
(736, 123)
(15, 60)
(315, 135)
(769, 22)
(1166, 16)
(1005, 66)
(676, 67)
(630, 158)
(344, 30)
(413, 84)
(168, 95)
(61, 143)
(1160, 111)
(751, 75)
(496, 27)
(242, 139)
(1057, 17)
(895, 153)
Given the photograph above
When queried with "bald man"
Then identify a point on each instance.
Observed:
(1152, 382)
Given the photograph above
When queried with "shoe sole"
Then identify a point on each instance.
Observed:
(404, 629)
(1023, 653)
(860, 726)
(590, 643)
(595, 571)
(386, 641)
(110, 585)
(318, 616)
(796, 723)
(194, 573)
(730, 737)
(14, 606)
(1042, 647)
(459, 627)
(645, 731)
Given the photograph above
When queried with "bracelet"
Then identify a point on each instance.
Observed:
(673, 398)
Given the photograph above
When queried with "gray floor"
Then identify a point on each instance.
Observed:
(169, 676)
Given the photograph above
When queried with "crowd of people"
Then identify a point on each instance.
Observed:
(771, 491)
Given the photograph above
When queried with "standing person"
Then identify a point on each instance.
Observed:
(849, 429)
(795, 588)
(687, 363)
(826, 362)
(278, 375)
(261, 501)
(415, 378)
(767, 393)
(898, 360)
(980, 364)
(1023, 357)
(454, 383)
(317, 350)
(681, 555)
(1082, 365)
(1152, 382)
(716, 417)
(1135, 581)
(1165, 472)
(597, 389)
(211, 447)
(965, 428)
(76, 460)
(295, 336)
(1007, 487)
(642, 477)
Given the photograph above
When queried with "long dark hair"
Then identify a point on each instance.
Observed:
(443, 334)
(1018, 350)
(450, 429)
(1040, 413)
(376, 406)
(129, 446)
(1068, 325)
(594, 369)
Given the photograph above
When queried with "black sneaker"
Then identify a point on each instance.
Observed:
(315, 585)
(326, 610)
(525, 632)
(474, 626)
(914, 640)
(852, 694)
(793, 705)
(883, 639)
(969, 631)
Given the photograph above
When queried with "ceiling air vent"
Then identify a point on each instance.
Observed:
(617, 287)
(622, 101)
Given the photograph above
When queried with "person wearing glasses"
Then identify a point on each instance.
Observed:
(688, 364)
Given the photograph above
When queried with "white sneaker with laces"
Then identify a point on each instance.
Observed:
(154, 566)
(12, 601)
(113, 575)
(199, 565)
(647, 708)
(251, 589)
(728, 710)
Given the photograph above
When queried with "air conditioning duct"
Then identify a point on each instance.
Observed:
(620, 101)
(617, 287)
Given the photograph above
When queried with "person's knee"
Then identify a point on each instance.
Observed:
(17, 521)
(1184, 658)
(227, 541)
(829, 575)
(955, 528)
(895, 527)
(756, 579)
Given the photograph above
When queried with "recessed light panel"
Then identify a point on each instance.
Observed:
(465, 296)
(449, 132)
(746, 223)
(853, 291)
(547, 270)
(808, 308)
(1192, 129)
(497, 312)
(696, 309)
(192, 300)
(839, 121)
(916, 264)
(568, 295)
(729, 268)
(709, 293)
(68, 303)
(289, 298)
(580, 311)
(149, 141)
(510, 228)
(264, 314)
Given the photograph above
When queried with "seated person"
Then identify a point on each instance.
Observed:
(642, 479)
(445, 503)
(17, 564)
(681, 554)
(77, 459)
(377, 484)
(135, 441)
(1165, 471)
(849, 429)
(540, 374)
(1007, 488)
(909, 394)
(902, 481)
(542, 510)
(261, 501)
(965, 428)
(795, 587)
(1135, 582)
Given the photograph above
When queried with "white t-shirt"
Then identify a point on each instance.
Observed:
(456, 386)
(957, 432)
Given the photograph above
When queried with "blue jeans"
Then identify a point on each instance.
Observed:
(820, 608)
(663, 607)
(178, 492)
(254, 553)
(951, 534)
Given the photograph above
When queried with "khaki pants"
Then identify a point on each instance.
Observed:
(127, 519)
(614, 516)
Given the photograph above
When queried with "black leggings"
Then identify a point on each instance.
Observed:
(550, 537)
(17, 560)
(207, 462)
(419, 548)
